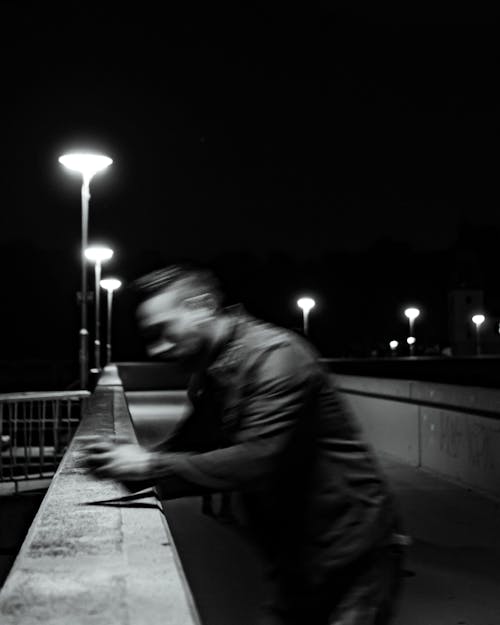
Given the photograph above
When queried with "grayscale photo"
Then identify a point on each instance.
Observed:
(250, 316)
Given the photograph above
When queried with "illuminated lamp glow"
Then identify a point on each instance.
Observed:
(98, 254)
(306, 303)
(110, 284)
(412, 313)
(86, 164)
(478, 319)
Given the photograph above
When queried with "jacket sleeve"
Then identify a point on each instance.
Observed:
(277, 396)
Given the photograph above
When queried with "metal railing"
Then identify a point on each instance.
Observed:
(35, 430)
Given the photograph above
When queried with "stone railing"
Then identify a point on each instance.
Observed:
(88, 560)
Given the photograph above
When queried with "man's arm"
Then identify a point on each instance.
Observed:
(280, 391)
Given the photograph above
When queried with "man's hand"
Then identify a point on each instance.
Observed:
(118, 458)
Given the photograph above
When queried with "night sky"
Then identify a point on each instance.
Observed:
(351, 154)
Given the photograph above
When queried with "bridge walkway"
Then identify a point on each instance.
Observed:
(452, 573)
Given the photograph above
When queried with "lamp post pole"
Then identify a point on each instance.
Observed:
(97, 337)
(84, 334)
(108, 330)
(87, 165)
(98, 255)
(306, 322)
(478, 320)
(306, 303)
(412, 314)
(110, 284)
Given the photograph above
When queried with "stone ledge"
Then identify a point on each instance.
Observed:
(93, 564)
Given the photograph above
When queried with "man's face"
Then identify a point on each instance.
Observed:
(174, 325)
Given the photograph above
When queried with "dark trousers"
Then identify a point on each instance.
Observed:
(225, 509)
(363, 593)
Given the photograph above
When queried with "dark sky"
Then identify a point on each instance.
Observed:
(303, 133)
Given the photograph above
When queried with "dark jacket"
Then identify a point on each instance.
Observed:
(268, 422)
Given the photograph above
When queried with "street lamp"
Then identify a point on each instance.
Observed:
(98, 255)
(306, 303)
(393, 345)
(412, 314)
(110, 285)
(87, 165)
(478, 320)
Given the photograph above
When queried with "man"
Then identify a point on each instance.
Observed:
(268, 422)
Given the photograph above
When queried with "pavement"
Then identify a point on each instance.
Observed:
(452, 572)
(454, 559)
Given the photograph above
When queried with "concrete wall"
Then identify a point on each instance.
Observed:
(453, 431)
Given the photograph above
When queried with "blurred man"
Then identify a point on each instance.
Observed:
(268, 422)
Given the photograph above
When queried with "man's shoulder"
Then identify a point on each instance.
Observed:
(257, 343)
(256, 337)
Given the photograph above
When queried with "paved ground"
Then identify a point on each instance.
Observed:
(453, 572)
(455, 554)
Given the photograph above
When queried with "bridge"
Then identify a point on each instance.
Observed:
(94, 557)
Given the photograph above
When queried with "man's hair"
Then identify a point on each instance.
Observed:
(196, 281)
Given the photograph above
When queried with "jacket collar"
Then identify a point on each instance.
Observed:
(227, 354)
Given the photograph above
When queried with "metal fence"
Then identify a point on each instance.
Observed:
(35, 430)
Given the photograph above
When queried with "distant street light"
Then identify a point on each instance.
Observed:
(478, 320)
(87, 165)
(98, 255)
(412, 314)
(393, 345)
(110, 285)
(306, 303)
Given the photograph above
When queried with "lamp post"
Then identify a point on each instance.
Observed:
(98, 255)
(110, 285)
(393, 345)
(411, 342)
(478, 320)
(412, 314)
(306, 303)
(87, 165)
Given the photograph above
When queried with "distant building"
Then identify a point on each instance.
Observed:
(463, 303)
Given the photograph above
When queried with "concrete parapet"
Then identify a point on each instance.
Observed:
(88, 562)
(109, 376)
(453, 431)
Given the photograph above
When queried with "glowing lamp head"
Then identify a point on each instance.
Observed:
(393, 344)
(86, 164)
(411, 340)
(98, 254)
(412, 313)
(110, 284)
(306, 303)
(478, 320)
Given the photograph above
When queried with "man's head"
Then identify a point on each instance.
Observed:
(179, 311)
